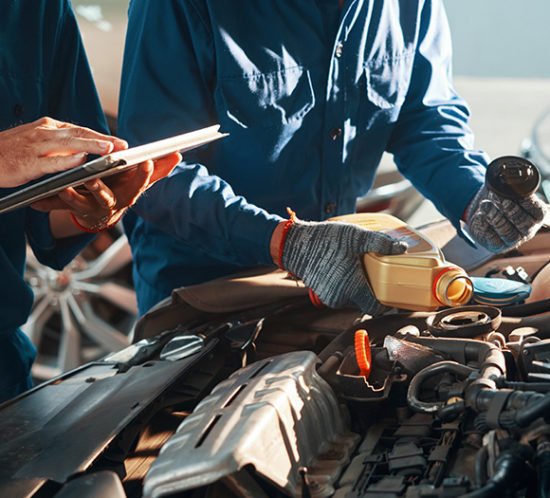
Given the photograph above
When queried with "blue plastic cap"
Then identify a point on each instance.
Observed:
(499, 291)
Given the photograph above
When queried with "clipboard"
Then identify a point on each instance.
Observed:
(107, 165)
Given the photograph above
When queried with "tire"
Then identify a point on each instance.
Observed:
(84, 311)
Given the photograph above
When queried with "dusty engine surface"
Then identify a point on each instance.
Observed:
(455, 404)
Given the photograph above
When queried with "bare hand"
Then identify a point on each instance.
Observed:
(101, 204)
(48, 146)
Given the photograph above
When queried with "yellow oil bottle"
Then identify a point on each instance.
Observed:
(419, 279)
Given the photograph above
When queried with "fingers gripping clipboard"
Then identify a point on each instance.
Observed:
(107, 165)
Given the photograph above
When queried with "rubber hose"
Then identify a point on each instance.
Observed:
(528, 309)
(533, 411)
(510, 466)
(431, 370)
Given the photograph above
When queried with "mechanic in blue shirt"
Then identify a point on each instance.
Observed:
(311, 94)
(44, 72)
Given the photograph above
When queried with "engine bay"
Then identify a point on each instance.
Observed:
(455, 404)
(260, 394)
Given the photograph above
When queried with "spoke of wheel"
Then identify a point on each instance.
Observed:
(100, 332)
(40, 293)
(34, 326)
(119, 295)
(69, 347)
(115, 257)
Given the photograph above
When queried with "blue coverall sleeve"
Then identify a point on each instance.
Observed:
(164, 58)
(209, 214)
(432, 142)
(71, 96)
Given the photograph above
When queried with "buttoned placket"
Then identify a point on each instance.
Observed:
(333, 127)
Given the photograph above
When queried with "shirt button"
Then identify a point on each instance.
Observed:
(335, 132)
(330, 207)
(339, 48)
(18, 110)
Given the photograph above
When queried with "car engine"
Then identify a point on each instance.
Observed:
(456, 404)
(245, 389)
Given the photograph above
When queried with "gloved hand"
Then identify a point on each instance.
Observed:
(499, 224)
(327, 257)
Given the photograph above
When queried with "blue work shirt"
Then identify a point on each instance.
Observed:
(43, 72)
(311, 97)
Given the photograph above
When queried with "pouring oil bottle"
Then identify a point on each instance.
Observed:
(419, 279)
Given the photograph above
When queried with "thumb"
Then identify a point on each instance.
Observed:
(164, 166)
(382, 243)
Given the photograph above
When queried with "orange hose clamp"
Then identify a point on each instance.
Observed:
(362, 352)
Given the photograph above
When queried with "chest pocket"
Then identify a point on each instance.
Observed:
(276, 99)
(388, 83)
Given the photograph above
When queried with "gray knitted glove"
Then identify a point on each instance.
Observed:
(327, 257)
(499, 224)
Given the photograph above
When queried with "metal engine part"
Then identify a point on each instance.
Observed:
(276, 419)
